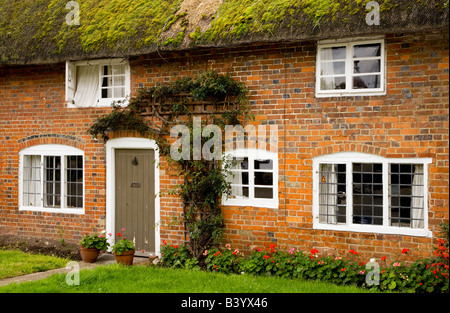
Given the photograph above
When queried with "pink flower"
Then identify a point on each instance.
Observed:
(396, 264)
(123, 229)
(206, 252)
(291, 251)
(228, 246)
(109, 234)
(361, 272)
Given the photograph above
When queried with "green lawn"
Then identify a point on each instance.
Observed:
(151, 279)
(15, 263)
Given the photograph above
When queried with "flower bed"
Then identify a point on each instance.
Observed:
(421, 276)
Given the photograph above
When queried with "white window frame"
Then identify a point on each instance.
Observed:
(101, 102)
(43, 151)
(356, 157)
(253, 154)
(349, 43)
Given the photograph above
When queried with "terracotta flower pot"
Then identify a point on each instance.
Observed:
(89, 255)
(126, 258)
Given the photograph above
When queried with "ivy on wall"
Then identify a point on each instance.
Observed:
(153, 111)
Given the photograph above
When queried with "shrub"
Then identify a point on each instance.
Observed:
(226, 260)
(177, 256)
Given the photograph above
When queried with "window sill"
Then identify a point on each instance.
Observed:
(257, 203)
(375, 229)
(79, 211)
(103, 103)
(350, 94)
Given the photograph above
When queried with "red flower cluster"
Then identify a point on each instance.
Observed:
(352, 251)
(217, 253)
(266, 256)
(272, 248)
(404, 251)
(442, 252)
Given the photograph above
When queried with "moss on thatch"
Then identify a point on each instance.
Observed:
(35, 31)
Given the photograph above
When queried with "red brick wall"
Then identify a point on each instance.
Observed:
(411, 120)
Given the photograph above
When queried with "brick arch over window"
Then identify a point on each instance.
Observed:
(42, 139)
(349, 147)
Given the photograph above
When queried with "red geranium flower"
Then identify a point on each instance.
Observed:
(119, 234)
(314, 251)
(404, 251)
(272, 247)
(383, 258)
(266, 256)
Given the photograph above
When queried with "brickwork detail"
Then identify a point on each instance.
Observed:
(411, 120)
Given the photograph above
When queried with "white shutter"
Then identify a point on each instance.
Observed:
(71, 74)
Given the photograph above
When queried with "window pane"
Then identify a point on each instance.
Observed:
(263, 164)
(119, 81)
(118, 69)
(74, 181)
(366, 81)
(119, 92)
(238, 192)
(332, 193)
(367, 50)
(31, 194)
(265, 193)
(366, 66)
(238, 178)
(52, 181)
(406, 195)
(239, 164)
(263, 178)
(332, 68)
(367, 193)
(332, 83)
(333, 53)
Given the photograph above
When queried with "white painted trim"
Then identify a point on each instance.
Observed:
(351, 92)
(50, 150)
(129, 143)
(253, 154)
(350, 157)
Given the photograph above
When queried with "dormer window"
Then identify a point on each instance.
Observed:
(352, 68)
(97, 83)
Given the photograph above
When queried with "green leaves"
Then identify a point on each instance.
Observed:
(94, 241)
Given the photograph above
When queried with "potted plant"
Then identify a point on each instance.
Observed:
(124, 250)
(91, 245)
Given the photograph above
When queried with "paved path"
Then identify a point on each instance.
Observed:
(103, 259)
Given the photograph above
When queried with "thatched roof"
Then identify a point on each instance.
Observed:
(36, 31)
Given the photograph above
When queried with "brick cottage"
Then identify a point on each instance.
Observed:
(361, 110)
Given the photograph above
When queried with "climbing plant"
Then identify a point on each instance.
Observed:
(220, 100)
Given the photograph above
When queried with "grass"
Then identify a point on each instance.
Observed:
(16, 263)
(116, 278)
